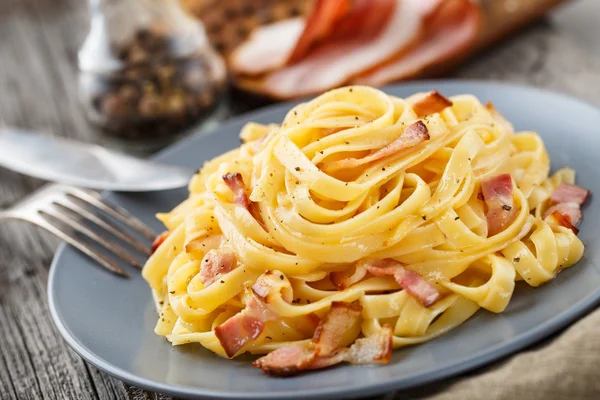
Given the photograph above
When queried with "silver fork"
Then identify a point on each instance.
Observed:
(69, 213)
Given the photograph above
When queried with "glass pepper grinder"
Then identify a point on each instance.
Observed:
(147, 70)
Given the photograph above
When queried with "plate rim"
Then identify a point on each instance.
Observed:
(496, 353)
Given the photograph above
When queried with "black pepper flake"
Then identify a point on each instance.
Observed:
(271, 174)
(321, 152)
(295, 112)
(506, 207)
(517, 259)
(307, 301)
(268, 337)
(457, 218)
(297, 168)
(172, 292)
(281, 277)
(297, 182)
(161, 302)
(296, 301)
(222, 281)
(469, 158)
(351, 90)
(347, 142)
(424, 217)
(383, 169)
(480, 196)
(356, 118)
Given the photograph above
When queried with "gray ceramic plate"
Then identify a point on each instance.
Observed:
(109, 321)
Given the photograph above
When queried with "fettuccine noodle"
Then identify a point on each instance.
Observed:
(310, 220)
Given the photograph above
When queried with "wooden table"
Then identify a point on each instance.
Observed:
(38, 90)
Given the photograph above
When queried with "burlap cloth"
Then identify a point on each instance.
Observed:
(565, 367)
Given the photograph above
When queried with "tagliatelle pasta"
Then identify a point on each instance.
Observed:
(358, 225)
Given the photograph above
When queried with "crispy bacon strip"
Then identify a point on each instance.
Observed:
(159, 240)
(291, 360)
(409, 280)
(413, 135)
(215, 264)
(235, 183)
(499, 198)
(567, 193)
(341, 318)
(432, 103)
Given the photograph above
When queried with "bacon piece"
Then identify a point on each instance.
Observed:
(566, 214)
(499, 198)
(273, 283)
(244, 327)
(416, 286)
(215, 264)
(344, 279)
(374, 349)
(567, 193)
(159, 240)
(341, 318)
(248, 325)
(286, 361)
(235, 183)
(409, 280)
(291, 360)
(413, 135)
(432, 103)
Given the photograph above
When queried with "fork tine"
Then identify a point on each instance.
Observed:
(114, 211)
(75, 225)
(89, 251)
(74, 208)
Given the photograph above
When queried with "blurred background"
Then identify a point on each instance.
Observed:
(139, 74)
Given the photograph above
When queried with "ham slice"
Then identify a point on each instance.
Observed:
(319, 25)
(284, 43)
(446, 41)
(499, 198)
(413, 135)
(414, 284)
(567, 193)
(215, 264)
(433, 102)
(267, 48)
(159, 240)
(291, 360)
(335, 62)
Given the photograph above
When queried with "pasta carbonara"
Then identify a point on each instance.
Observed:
(363, 222)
